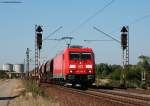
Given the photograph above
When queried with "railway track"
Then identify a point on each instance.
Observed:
(118, 98)
(128, 99)
(143, 97)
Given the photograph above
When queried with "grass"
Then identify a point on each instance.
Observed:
(31, 95)
(31, 86)
(32, 101)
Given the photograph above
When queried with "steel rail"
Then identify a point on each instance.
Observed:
(120, 99)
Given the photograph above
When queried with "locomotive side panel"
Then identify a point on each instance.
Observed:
(65, 63)
(58, 67)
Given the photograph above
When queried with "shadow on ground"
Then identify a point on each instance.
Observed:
(9, 98)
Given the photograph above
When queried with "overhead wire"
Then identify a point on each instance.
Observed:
(97, 40)
(11, 2)
(83, 23)
(52, 33)
(139, 19)
(133, 22)
(92, 16)
(106, 34)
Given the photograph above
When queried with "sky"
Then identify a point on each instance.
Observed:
(17, 25)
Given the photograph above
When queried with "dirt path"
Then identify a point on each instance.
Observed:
(2, 81)
(28, 98)
(5, 92)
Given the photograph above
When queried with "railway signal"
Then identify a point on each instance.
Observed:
(38, 46)
(124, 38)
(125, 45)
(39, 31)
(125, 48)
(125, 51)
(39, 40)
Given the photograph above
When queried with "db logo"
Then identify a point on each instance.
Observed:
(80, 66)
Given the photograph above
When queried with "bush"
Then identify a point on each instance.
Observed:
(134, 73)
(3, 75)
(115, 75)
(114, 83)
(31, 86)
(133, 84)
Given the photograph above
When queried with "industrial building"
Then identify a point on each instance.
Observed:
(8, 67)
(14, 71)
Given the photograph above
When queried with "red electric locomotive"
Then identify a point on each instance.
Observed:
(75, 65)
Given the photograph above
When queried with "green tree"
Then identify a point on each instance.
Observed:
(134, 72)
(3, 74)
(116, 72)
(102, 70)
(144, 62)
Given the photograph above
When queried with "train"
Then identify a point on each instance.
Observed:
(74, 66)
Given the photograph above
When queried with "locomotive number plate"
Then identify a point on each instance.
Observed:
(80, 66)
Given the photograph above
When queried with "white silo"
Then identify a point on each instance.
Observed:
(19, 68)
(8, 67)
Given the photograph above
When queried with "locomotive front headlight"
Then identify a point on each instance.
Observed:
(90, 71)
(88, 66)
(72, 66)
(71, 71)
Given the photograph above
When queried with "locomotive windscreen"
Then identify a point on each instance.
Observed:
(85, 56)
(80, 56)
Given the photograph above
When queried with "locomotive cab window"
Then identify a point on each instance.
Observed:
(80, 56)
(74, 56)
(85, 56)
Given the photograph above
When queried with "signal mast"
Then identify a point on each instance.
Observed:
(38, 46)
(125, 50)
(125, 53)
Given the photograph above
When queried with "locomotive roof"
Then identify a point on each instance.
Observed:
(79, 49)
(68, 50)
(75, 50)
